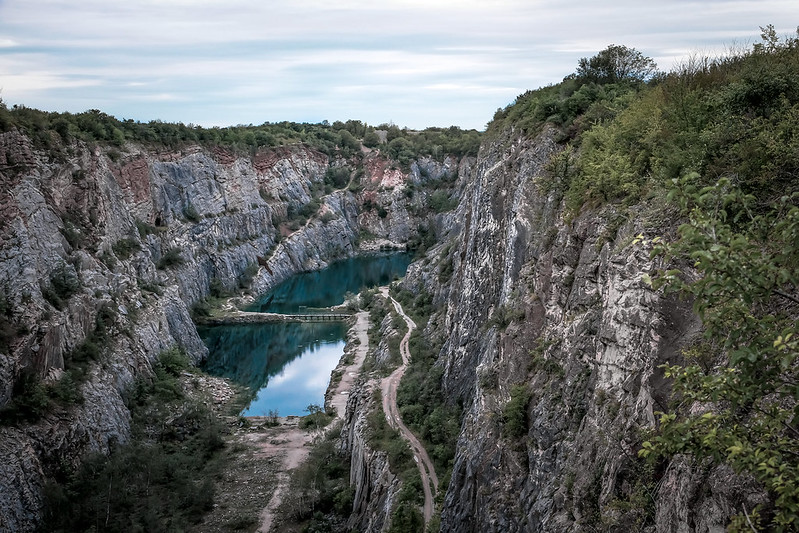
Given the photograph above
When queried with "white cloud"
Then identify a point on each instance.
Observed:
(417, 62)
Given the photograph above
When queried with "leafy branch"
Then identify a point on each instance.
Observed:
(744, 409)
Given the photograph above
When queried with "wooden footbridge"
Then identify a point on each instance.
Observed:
(244, 317)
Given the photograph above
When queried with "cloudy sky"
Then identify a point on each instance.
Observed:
(417, 63)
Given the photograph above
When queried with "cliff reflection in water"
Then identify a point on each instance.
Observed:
(324, 288)
(293, 359)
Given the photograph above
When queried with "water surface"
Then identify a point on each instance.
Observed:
(287, 365)
(327, 287)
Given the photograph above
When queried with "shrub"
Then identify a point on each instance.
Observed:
(514, 415)
(174, 361)
(72, 234)
(503, 316)
(245, 280)
(145, 229)
(64, 283)
(191, 214)
(29, 400)
(440, 202)
(337, 177)
(7, 330)
(124, 248)
(371, 139)
(737, 403)
(170, 258)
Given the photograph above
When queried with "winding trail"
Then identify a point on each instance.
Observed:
(389, 387)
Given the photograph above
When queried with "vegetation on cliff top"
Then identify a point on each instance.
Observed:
(731, 116)
(51, 130)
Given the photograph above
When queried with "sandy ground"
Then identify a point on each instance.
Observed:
(291, 444)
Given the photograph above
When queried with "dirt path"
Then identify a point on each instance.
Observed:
(349, 372)
(291, 444)
(389, 387)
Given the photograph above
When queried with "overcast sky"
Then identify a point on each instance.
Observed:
(417, 63)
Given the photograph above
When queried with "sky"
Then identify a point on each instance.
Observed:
(416, 63)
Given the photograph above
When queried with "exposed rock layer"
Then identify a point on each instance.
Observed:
(558, 306)
(143, 233)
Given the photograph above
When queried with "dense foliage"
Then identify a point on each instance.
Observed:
(744, 375)
(162, 480)
(614, 64)
(53, 130)
(732, 116)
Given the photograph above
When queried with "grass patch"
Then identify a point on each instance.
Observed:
(124, 248)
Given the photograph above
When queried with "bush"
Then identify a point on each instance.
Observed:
(174, 361)
(124, 248)
(217, 289)
(29, 400)
(64, 283)
(170, 258)
(245, 280)
(7, 330)
(514, 415)
(371, 139)
(145, 229)
(191, 214)
(337, 177)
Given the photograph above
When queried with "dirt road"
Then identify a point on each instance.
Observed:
(389, 387)
(291, 446)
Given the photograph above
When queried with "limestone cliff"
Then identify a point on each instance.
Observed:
(554, 309)
(538, 310)
(132, 237)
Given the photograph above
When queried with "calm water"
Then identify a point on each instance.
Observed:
(288, 365)
(325, 288)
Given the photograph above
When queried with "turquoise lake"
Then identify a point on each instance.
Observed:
(288, 365)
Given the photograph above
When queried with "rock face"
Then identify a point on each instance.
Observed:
(538, 306)
(555, 310)
(132, 238)
(375, 485)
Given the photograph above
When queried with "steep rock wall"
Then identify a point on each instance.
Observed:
(142, 233)
(106, 219)
(376, 487)
(556, 308)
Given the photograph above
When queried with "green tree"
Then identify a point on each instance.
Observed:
(739, 397)
(371, 139)
(515, 412)
(614, 64)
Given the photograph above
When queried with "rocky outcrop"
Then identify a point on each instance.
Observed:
(555, 309)
(136, 235)
(376, 487)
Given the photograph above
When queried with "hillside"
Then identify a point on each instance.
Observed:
(605, 295)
